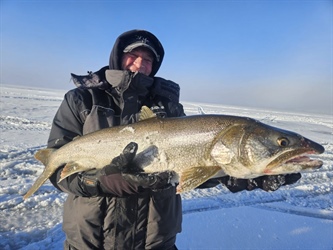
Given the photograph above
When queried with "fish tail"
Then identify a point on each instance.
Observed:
(43, 156)
(38, 183)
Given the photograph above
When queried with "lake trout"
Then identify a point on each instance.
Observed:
(196, 148)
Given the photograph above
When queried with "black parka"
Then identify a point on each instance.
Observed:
(148, 220)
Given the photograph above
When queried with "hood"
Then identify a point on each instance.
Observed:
(126, 39)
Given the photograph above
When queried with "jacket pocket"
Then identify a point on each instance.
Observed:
(164, 219)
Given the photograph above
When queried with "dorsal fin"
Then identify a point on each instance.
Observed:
(146, 113)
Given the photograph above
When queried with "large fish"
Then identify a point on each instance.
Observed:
(197, 148)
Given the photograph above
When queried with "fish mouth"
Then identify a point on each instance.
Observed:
(294, 161)
(305, 161)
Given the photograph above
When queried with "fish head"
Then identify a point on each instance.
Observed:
(289, 152)
(257, 149)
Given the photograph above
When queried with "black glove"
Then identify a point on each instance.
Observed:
(122, 178)
(274, 182)
(166, 89)
(165, 98)
(266, 182)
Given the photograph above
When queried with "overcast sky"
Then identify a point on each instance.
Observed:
(269, 54)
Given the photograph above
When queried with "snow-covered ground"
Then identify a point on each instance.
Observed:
(294, 217)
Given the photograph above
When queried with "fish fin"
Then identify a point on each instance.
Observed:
(39, 182)
(193, 177)
(43, 155)
(146, 113)
(76, 166)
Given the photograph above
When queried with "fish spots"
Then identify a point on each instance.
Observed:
(151, 137)
(127, 129)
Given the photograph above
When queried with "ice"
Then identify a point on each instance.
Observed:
(299, 216)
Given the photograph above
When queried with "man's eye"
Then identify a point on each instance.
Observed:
(148, 60)
(132, 55)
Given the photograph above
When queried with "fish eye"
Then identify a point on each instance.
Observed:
(283, 142)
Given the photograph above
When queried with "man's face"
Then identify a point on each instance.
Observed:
(138, 60)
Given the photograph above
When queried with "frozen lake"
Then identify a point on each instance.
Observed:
(299, 216)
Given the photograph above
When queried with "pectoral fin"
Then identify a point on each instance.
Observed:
(77, 166)
(193, 177)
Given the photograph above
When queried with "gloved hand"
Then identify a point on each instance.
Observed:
(165, 98)
(166, 89)
(122, 178)
(266, 182)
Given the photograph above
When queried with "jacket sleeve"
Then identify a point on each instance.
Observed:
(67, 124)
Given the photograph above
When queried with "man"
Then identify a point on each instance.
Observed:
(107, 209)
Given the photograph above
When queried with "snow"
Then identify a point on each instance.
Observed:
(299, 216)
